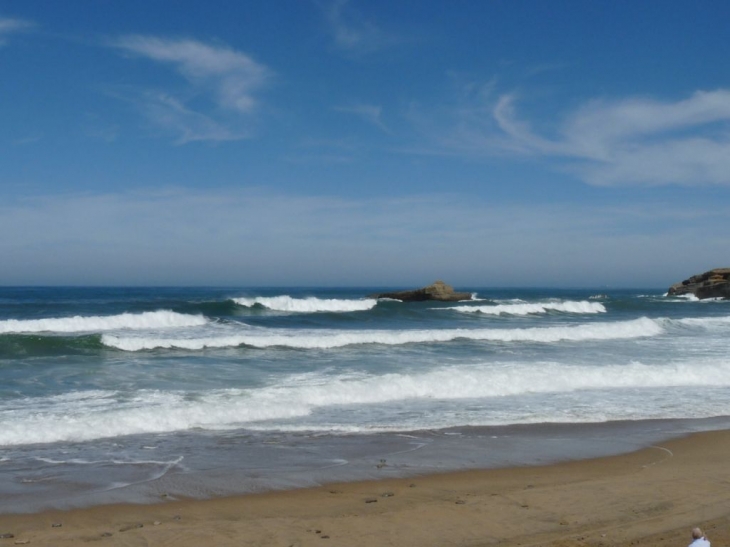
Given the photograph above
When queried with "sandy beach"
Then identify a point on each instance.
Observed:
(651, 497)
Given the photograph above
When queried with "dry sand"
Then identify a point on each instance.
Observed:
(650, 497)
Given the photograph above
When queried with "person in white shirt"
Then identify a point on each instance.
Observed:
(699, 539)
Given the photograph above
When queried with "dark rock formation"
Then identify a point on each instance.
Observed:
(438, 291)
(712, 284)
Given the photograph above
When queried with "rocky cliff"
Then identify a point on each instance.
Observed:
(712, 284)
(439, 291)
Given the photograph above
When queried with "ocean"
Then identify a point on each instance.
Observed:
(151, 394)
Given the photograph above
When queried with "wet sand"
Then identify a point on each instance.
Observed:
(651, 497)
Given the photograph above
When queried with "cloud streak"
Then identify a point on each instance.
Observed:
(352, 33)
(230, 78)
(172, 115)
(370, 114)
(10, 26)
(633, 141)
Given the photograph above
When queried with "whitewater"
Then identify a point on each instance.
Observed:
(123, 392)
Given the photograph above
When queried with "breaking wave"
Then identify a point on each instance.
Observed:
(97, 414)
(307, 305)
(328, 339)
(133, 321)
(526, 308)
(703, 322)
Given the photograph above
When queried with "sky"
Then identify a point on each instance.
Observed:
(364, 143)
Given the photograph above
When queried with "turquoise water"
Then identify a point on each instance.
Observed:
(102, 389)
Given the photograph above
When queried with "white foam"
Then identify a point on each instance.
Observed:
(307, 305)
(706, 322)
(689, 297)
(132, 321)
(526, 308)
(150, 411)
(492, 380)
(328, 339)
(79, 461)
(297, 397)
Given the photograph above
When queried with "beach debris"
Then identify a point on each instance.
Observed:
(156, 523)
(381, 464)
(177, 517)
(21, 541)
(459, 502)
(371, 500)
(412, 485)
(107, 535)
(56, 525)
(7, 536)
(131, 527)
(387, 495)
(325, 537)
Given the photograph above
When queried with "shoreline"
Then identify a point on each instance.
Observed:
(652, 496)
(215, 466)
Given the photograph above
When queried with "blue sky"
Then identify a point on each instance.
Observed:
(344, 142)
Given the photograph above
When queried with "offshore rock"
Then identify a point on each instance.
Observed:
(439, 291)
(712, 284)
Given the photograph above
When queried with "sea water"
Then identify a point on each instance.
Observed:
(142, 394)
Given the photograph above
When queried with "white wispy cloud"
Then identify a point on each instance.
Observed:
(172, 115)
(10, 26)
(632, 141)
(229, 78)
(351, 31)
(369, 113)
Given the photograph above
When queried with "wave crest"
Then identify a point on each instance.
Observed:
(526, 308)
(307, 305)
(133, 321)
(329, 339)
(96, 414)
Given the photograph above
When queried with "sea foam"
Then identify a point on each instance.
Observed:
(328, 339)
(110, 414)
(703, 322)
(133, 321)
(527, 308)
(307, 305)
(291, 403)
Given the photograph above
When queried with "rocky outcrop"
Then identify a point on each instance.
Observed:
(439, 291)
(712, 284)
